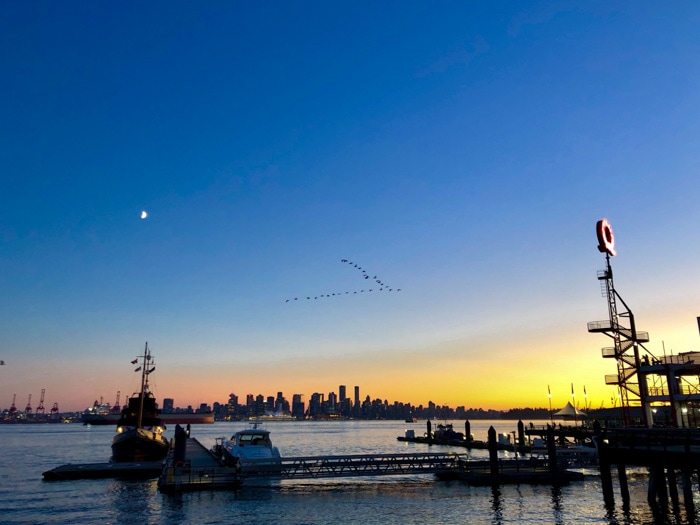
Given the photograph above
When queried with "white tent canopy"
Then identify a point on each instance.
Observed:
(569, 412)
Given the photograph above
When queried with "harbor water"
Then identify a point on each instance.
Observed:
(30, 449)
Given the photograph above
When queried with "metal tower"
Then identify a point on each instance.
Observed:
(40, 409)
(627, 340)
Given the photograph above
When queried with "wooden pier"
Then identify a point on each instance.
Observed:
(562, 433)
(666, 452)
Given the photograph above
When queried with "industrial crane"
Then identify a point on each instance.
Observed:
(40, 409)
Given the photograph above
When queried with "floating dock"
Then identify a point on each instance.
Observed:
(142, 470)
(202, 470)
(511, 472)
(464, 443)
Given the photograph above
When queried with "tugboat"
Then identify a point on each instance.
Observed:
(140, 429)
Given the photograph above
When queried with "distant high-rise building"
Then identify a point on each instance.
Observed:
(297, 406)
(341, 393)
(232, 406)
(281, 404)
(168, 405)
(259, 409)
(316, 405)
(357, 406)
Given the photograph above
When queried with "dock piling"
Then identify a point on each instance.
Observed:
(493, 451)
(180, 449)
(551, 450)
(624, 487)
(521, 434)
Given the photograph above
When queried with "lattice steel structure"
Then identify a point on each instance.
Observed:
(627, 342)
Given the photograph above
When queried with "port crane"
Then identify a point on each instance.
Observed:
(28, 409)
(40, 409)
(117, 407)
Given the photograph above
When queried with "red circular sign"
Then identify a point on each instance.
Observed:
(606, 238)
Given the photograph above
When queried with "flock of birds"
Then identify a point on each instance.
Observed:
(381, 285)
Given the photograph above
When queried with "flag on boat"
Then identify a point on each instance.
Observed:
(134, 361)
(151, 370)
(139, 368)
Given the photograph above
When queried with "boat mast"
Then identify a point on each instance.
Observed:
(144, 383)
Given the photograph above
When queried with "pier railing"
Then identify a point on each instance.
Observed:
(353, 465)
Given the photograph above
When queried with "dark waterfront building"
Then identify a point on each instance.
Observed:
(298, 406)
(332, 403)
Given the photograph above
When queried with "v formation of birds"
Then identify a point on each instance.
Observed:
(381, 286)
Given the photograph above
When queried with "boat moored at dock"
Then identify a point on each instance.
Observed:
(249, 449)
(140, 429)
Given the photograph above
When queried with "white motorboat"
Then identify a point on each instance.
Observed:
(250, 451)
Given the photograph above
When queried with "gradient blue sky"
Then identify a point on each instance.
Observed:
(460, 151)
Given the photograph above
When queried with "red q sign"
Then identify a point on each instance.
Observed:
(606, 238)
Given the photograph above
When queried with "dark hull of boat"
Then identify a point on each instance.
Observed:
(139, 445)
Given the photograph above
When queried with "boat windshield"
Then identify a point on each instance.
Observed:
(257, 438)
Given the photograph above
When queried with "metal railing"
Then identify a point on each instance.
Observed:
(353, 465)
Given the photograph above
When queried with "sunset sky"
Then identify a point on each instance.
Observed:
(459, 151)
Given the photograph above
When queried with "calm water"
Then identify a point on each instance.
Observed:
(29, 450)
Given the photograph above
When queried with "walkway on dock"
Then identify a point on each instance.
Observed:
(201, 470)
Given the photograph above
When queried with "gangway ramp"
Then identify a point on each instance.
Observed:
(354, 465)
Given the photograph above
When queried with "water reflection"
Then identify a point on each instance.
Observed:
(133, 501)
(556, 505)
(496, 505)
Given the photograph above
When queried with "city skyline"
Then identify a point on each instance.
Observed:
(247, 187)
(170, 402)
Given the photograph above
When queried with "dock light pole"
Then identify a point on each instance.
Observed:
(549, 395)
